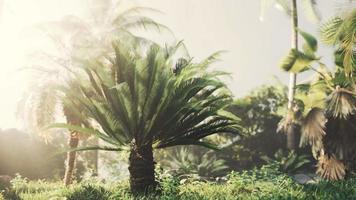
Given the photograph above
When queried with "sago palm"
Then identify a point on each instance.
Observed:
(140, 104)
(74, 37)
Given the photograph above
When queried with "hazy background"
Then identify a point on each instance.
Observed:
(254, 47)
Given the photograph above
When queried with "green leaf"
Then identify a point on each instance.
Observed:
(311, 45)
(296, 61)
(228, 114)
(80, 130)
(330, 30)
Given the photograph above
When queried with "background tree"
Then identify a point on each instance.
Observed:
(140, 104)
(259, 111)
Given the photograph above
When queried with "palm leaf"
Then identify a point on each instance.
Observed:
(313, 129)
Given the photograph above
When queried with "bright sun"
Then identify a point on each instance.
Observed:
(17, 17)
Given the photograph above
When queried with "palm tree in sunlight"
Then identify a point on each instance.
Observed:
(141, 104)
(290, 124)
(74, 39)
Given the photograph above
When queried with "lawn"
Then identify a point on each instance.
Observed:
(263, 183)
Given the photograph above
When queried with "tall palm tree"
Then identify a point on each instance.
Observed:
(290, 124)
(292, 131)
(75, 38)
(141, 105)
(329, 122)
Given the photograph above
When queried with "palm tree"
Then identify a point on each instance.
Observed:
(74, 38)
(291, 127)
(141, 105)
(329, 122)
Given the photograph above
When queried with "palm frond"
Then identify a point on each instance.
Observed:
(138, 97)
(296, 61)
(330, 168)
(341, 103)
(313, 128)
(330, 30)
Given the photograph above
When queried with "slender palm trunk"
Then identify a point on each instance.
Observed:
(141, 168)
(292, 132)
(71, 158)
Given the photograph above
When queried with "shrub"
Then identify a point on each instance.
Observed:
(89, 192)
(194, 161)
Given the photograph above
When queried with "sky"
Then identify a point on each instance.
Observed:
(253, 47)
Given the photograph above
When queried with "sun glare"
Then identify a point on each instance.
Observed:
(18, 40)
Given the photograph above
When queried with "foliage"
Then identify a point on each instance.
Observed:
(139, 99)
(259, 109)
(89, 192)
(137, 103)
(297, 61)
(288, 162)
(9, 195)
(262, 183)
(259, 112)
(340, 32)
(74, 39)
(185, 161)
(329, 105)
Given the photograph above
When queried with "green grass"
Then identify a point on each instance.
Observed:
(265, 183)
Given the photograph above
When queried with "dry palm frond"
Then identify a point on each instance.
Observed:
(313, 128)
(329, 167)
(341, 103)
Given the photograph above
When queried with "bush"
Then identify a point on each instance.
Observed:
(89, 192)
(260, 114)
(288, 162)
(193, 161)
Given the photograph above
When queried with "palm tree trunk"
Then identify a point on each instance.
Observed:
(71, 157)
(73, 142)
(141, 168)
(292, 133)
